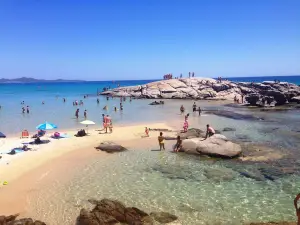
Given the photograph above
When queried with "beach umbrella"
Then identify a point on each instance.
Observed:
(87, 123)
(46, 126)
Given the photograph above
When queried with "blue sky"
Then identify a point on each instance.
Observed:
(144, 39)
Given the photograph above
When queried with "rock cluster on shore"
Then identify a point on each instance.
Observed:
(265, 93)
(109, 212)
(12, 220)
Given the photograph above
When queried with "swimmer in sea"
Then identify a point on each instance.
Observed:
(107, 98)
(23, 110)
(121, 106)
(115, 109)
(27, 109)
(161, 142)
(296, 207)
(98, 101)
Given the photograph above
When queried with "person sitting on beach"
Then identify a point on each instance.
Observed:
(161, 142)
(178, 144)
(209, 131)
(194, 107)
(182, 109)
(296, 207)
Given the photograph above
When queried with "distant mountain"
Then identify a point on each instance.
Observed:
(33, 80)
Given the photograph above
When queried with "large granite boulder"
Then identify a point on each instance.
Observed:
(111, 212)
(12, 220)
(208, 88)
(110, 147)
(217, 146)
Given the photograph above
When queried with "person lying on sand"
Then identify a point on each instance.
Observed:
(161, 142)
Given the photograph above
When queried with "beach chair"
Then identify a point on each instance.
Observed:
(25, 134)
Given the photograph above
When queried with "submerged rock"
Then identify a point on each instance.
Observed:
(233, 115)
(112, 212)
(222, 174)
(216, 146)
(110, 147)
(225, 129)
(163, 217)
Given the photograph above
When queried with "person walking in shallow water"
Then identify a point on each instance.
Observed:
(85, 114)
(77, 113)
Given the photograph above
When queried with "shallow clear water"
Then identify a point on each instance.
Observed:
(183, 185)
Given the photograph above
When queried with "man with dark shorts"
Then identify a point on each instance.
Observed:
(209, 131)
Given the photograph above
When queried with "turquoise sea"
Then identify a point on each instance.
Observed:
(62, 114)
(196, 189)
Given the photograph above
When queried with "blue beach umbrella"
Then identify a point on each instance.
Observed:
(46, 126)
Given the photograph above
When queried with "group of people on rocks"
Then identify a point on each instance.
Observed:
(170, 76)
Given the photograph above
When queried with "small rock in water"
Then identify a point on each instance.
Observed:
(163, 217)
(225, 129)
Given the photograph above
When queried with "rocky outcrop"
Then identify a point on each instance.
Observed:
(111, 212)
(216, 146)
(12, 220)
(208, 88)
(110, 147)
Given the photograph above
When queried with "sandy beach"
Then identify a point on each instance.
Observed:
(31, 170)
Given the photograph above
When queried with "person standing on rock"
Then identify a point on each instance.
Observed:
(209, 131)
(297, 209)
(161, 141)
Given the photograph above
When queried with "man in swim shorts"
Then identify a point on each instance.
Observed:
(161, 142)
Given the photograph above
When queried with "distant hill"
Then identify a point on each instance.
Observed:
(33, 80)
